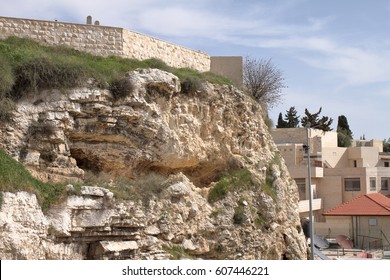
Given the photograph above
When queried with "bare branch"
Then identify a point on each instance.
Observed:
(263, 81)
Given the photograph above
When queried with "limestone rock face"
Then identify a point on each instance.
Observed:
(191, 139)
(25, 231)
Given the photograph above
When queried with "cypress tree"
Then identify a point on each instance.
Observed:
(344, 133)
(291, 117)
(281, 123)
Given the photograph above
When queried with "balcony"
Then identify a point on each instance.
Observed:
(304, 205)
(301, 171)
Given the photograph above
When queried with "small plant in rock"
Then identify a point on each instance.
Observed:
(239, 216)
(23, 153)
(121, 87)
(191, 85)
(235, 180)
(140, 189)
(177, 252)
(260, 220)
(268, 188)
(6, 107)
(216, 212)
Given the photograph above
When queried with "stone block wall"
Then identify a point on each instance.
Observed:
(104, 40)
(99, 40)
(143, 47)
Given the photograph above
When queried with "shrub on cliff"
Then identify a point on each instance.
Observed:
(233, 181)
(191, 85)
(44, 73)
(6, 83)
(26, 66)
(121, 87)
(263, 81)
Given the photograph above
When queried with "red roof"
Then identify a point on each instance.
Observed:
(374, 204)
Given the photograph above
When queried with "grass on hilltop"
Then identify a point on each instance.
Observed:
(27, 66)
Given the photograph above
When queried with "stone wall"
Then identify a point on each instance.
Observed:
(104, 40)
(99, 40)
(143, 47)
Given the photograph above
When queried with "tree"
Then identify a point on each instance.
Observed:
(263, 81)
(386, 145)
(292, 118)
(281, 122)
(313, 120)
(344, 133)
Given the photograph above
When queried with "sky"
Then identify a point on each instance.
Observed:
(333, 54)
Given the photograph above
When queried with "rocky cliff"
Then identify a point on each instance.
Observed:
(210, 181)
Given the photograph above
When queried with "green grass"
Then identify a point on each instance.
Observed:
(267, 185)
(268, 188)
(14, 177)
(143, 188)
(260, 221)
(177, 252)
(235, 180)
(27, 66)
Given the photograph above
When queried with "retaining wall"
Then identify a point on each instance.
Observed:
(104, 40)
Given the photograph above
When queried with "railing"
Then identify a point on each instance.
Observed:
(369, 242)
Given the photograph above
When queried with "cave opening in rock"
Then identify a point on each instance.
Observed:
(86, 160)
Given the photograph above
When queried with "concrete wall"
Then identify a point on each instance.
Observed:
(104, 40)
(289, 135)
(334, 226)
(368, 143)
(228, 66)
(336, 157)
(364, 156)
(318, 138)
(330, 189)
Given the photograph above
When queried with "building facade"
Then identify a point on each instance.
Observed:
(338, 174)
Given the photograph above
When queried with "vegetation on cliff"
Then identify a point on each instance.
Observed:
(14, 177)
(27, 66)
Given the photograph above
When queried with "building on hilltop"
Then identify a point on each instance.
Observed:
(338, 174)
(106, 40)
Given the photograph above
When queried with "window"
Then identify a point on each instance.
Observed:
(372, 222)
(387, 164)
(352, 184)
(372, 184)
(384, 184)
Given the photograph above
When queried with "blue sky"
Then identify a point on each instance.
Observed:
(334, 54)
